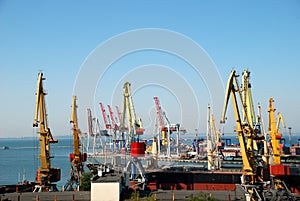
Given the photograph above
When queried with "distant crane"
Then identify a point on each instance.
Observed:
(113, 125)
(45, 174)
(90, 128)
(274, 132)
(90, 122)
(107, 125)
(135, 127)
(212, 145)
(165, 130)
(162, 128)
(94, 131)
(77, 158)
(119, 115)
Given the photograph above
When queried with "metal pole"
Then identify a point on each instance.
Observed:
(177, 139)
(290, 135)
(168, 141)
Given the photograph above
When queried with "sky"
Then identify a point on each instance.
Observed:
(63, 39)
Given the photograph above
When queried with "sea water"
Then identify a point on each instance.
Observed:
(21, 159)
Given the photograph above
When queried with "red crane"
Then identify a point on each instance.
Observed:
(159, 113)
(112, 118)
(107, 125)
(119, 114)
(160, 116)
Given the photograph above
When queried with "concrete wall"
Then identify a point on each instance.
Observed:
(105, 191)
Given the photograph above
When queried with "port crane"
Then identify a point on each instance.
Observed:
(249, 116)
(252, 178)
(135, 126)
(162, 128)
(248, 111)
(165, 129)
(46, 174)
(213, 160)
(135, 129)
(104, 115)
(77, 158)
(90, 122)
(274, 132)
(119, 115)
(113, 126)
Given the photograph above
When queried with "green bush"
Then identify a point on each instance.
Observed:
(85, 182)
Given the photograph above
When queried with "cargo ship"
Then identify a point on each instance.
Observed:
(24, 186)
(193, 178)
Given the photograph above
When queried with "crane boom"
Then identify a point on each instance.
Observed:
(107, 125)
(112, 118)
(45, 174)
(119, 114)
(90, 122)
(159, 113)
(248, 112)
(242, 131)
(280, 119)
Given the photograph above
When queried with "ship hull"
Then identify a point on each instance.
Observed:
(169, 180)
(205, 180)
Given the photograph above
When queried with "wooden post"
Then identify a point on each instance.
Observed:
(173, 196)
(54, 197)
(154, 196)
(73, 197)
(37, 198)
(19, 197)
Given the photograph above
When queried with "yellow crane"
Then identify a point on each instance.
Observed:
(274, 132)
(246, 136)
(248, 112)
(135, 127)
(45, 174)
(77, 158)
(253, 181)
(212, 143)
(245, 132)
(249, 116)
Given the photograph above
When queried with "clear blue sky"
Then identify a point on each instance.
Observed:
(56, 37)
